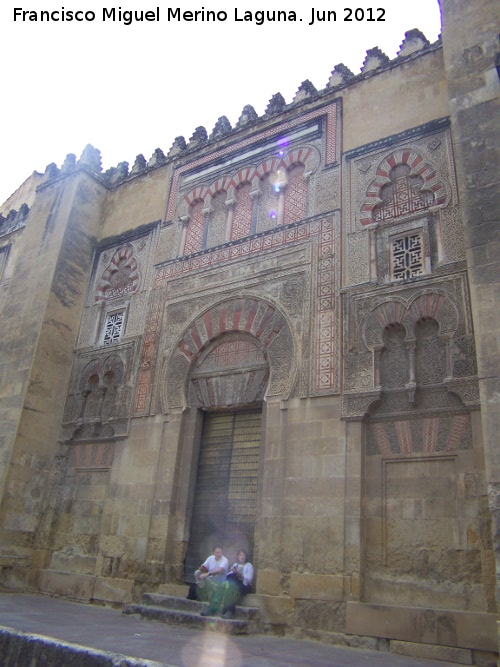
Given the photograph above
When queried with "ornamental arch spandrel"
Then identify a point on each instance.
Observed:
(245, 318)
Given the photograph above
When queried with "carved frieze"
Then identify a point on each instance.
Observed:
(452, 234)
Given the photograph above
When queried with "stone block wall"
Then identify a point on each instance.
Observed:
(471, 50)
(311, 266)
(41, 309)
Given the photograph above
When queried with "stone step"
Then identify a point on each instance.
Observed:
(189, 620)
(180, 611)
(173, 602)
(195, 607)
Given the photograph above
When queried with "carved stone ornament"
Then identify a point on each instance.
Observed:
(406, 312)
(408, 343)
(357, 406)
(403, 172)
(232, 370)
(98, 403)
(252, 174)
(467, 391)
(121, 276)
(268, 335)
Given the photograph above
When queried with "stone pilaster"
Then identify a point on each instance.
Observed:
(470, 44)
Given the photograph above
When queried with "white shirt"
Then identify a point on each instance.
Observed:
(211, 564)
(247, 572)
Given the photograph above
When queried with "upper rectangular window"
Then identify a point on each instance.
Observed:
(113, 327)
(407, 256)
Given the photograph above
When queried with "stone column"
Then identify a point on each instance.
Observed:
(185, 222)
(207, 210)
(254, 194)
(373, 255)
(229, 221)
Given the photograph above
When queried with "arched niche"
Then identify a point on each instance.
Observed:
(121, 276)
(262, 330)
(423, 188)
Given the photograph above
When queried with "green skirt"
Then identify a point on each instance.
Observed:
(218, 594)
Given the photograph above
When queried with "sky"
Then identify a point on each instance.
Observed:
(129, 89)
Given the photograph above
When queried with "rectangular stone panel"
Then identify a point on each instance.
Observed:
(427, 626)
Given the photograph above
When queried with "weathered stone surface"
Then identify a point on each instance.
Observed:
(431, 652)
(19, 648)
(113, 590)
(473, 90)
(322, 616)
(187, 613)
(269, 582)
(316, 587)
(76, 586)
(424, 626)
(275, 610)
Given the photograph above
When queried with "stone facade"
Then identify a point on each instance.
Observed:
(294, 306)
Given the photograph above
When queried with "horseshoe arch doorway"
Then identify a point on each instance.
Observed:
(228, 384)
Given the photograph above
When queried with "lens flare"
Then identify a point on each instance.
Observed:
(211, 649)
(278, 179)
(283, 142)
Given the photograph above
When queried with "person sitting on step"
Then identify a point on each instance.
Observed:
(239, 583)
(210, 579)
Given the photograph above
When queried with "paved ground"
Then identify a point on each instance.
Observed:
(107, 629)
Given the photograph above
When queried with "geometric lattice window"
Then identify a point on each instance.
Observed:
(402, 196)
(113, 327)
(195, 229)
(295, 195)
(242, 217)
(407, 256)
